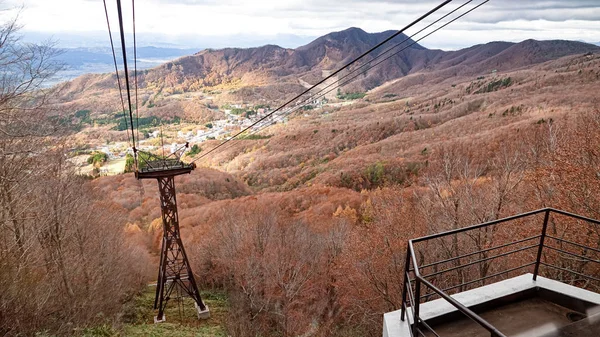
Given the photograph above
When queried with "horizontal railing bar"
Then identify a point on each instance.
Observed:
(482, 260)
(485, 224)
(573, 215)
(573, 243)
(570, 271)
(572, 254)
(485, 278)
(428, 327)
(481, 251)
(466, 311)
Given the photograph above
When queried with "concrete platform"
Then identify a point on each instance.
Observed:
(527, 317)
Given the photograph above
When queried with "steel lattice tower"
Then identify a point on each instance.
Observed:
(174, 269)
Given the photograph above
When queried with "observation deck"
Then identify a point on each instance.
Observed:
(162, 168)
(152, 166)
(486, 280)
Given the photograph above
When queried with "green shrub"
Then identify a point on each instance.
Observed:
(351, 96)
(97, 158)
(254, 136)
(194, 150)
(495, 85)
(129, 163)
(375, 174)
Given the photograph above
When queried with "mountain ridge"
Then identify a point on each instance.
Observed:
(270, 63)
(268, 72)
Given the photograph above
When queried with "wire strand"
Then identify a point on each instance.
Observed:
(322, 92)
(385, 59)
(112, 47)
(396, 45)
(305, 102)
(122, 31)
(135, 76)
(330, 76)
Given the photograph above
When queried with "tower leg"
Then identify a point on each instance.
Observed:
(174, 270)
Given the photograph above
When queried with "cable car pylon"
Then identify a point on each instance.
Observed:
(174, 270)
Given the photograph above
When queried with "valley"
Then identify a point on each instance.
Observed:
(414, 88)
(355, 174)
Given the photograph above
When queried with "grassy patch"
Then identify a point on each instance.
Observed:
(351, 95)
(254, 136)
(173, 330)
(181, 322)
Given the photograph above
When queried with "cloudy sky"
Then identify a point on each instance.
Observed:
(219, 23)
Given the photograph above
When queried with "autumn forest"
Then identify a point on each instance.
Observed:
(303, 229)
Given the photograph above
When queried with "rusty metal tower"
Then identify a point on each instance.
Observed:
(174, 272)
(174, 269)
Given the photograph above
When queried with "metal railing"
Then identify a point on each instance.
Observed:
(413, 293)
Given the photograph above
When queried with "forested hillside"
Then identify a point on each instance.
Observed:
(315, 241)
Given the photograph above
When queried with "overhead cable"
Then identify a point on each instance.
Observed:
(112, 47)
(135, 76)
(122, 31)
(376, 64)
(328, 77)
(321, 93)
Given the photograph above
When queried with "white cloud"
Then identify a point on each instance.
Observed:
(209, 20)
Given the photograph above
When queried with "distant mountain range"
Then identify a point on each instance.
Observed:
(307, 64)
(79, 61)
(276, 70)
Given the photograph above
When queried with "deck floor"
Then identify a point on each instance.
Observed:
(530, 317)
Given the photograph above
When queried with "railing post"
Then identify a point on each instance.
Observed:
(415, 326)
(404, 288)
(541, 246)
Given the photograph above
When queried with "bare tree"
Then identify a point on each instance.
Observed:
(464, 192)
(23, 131)
(63, 257)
